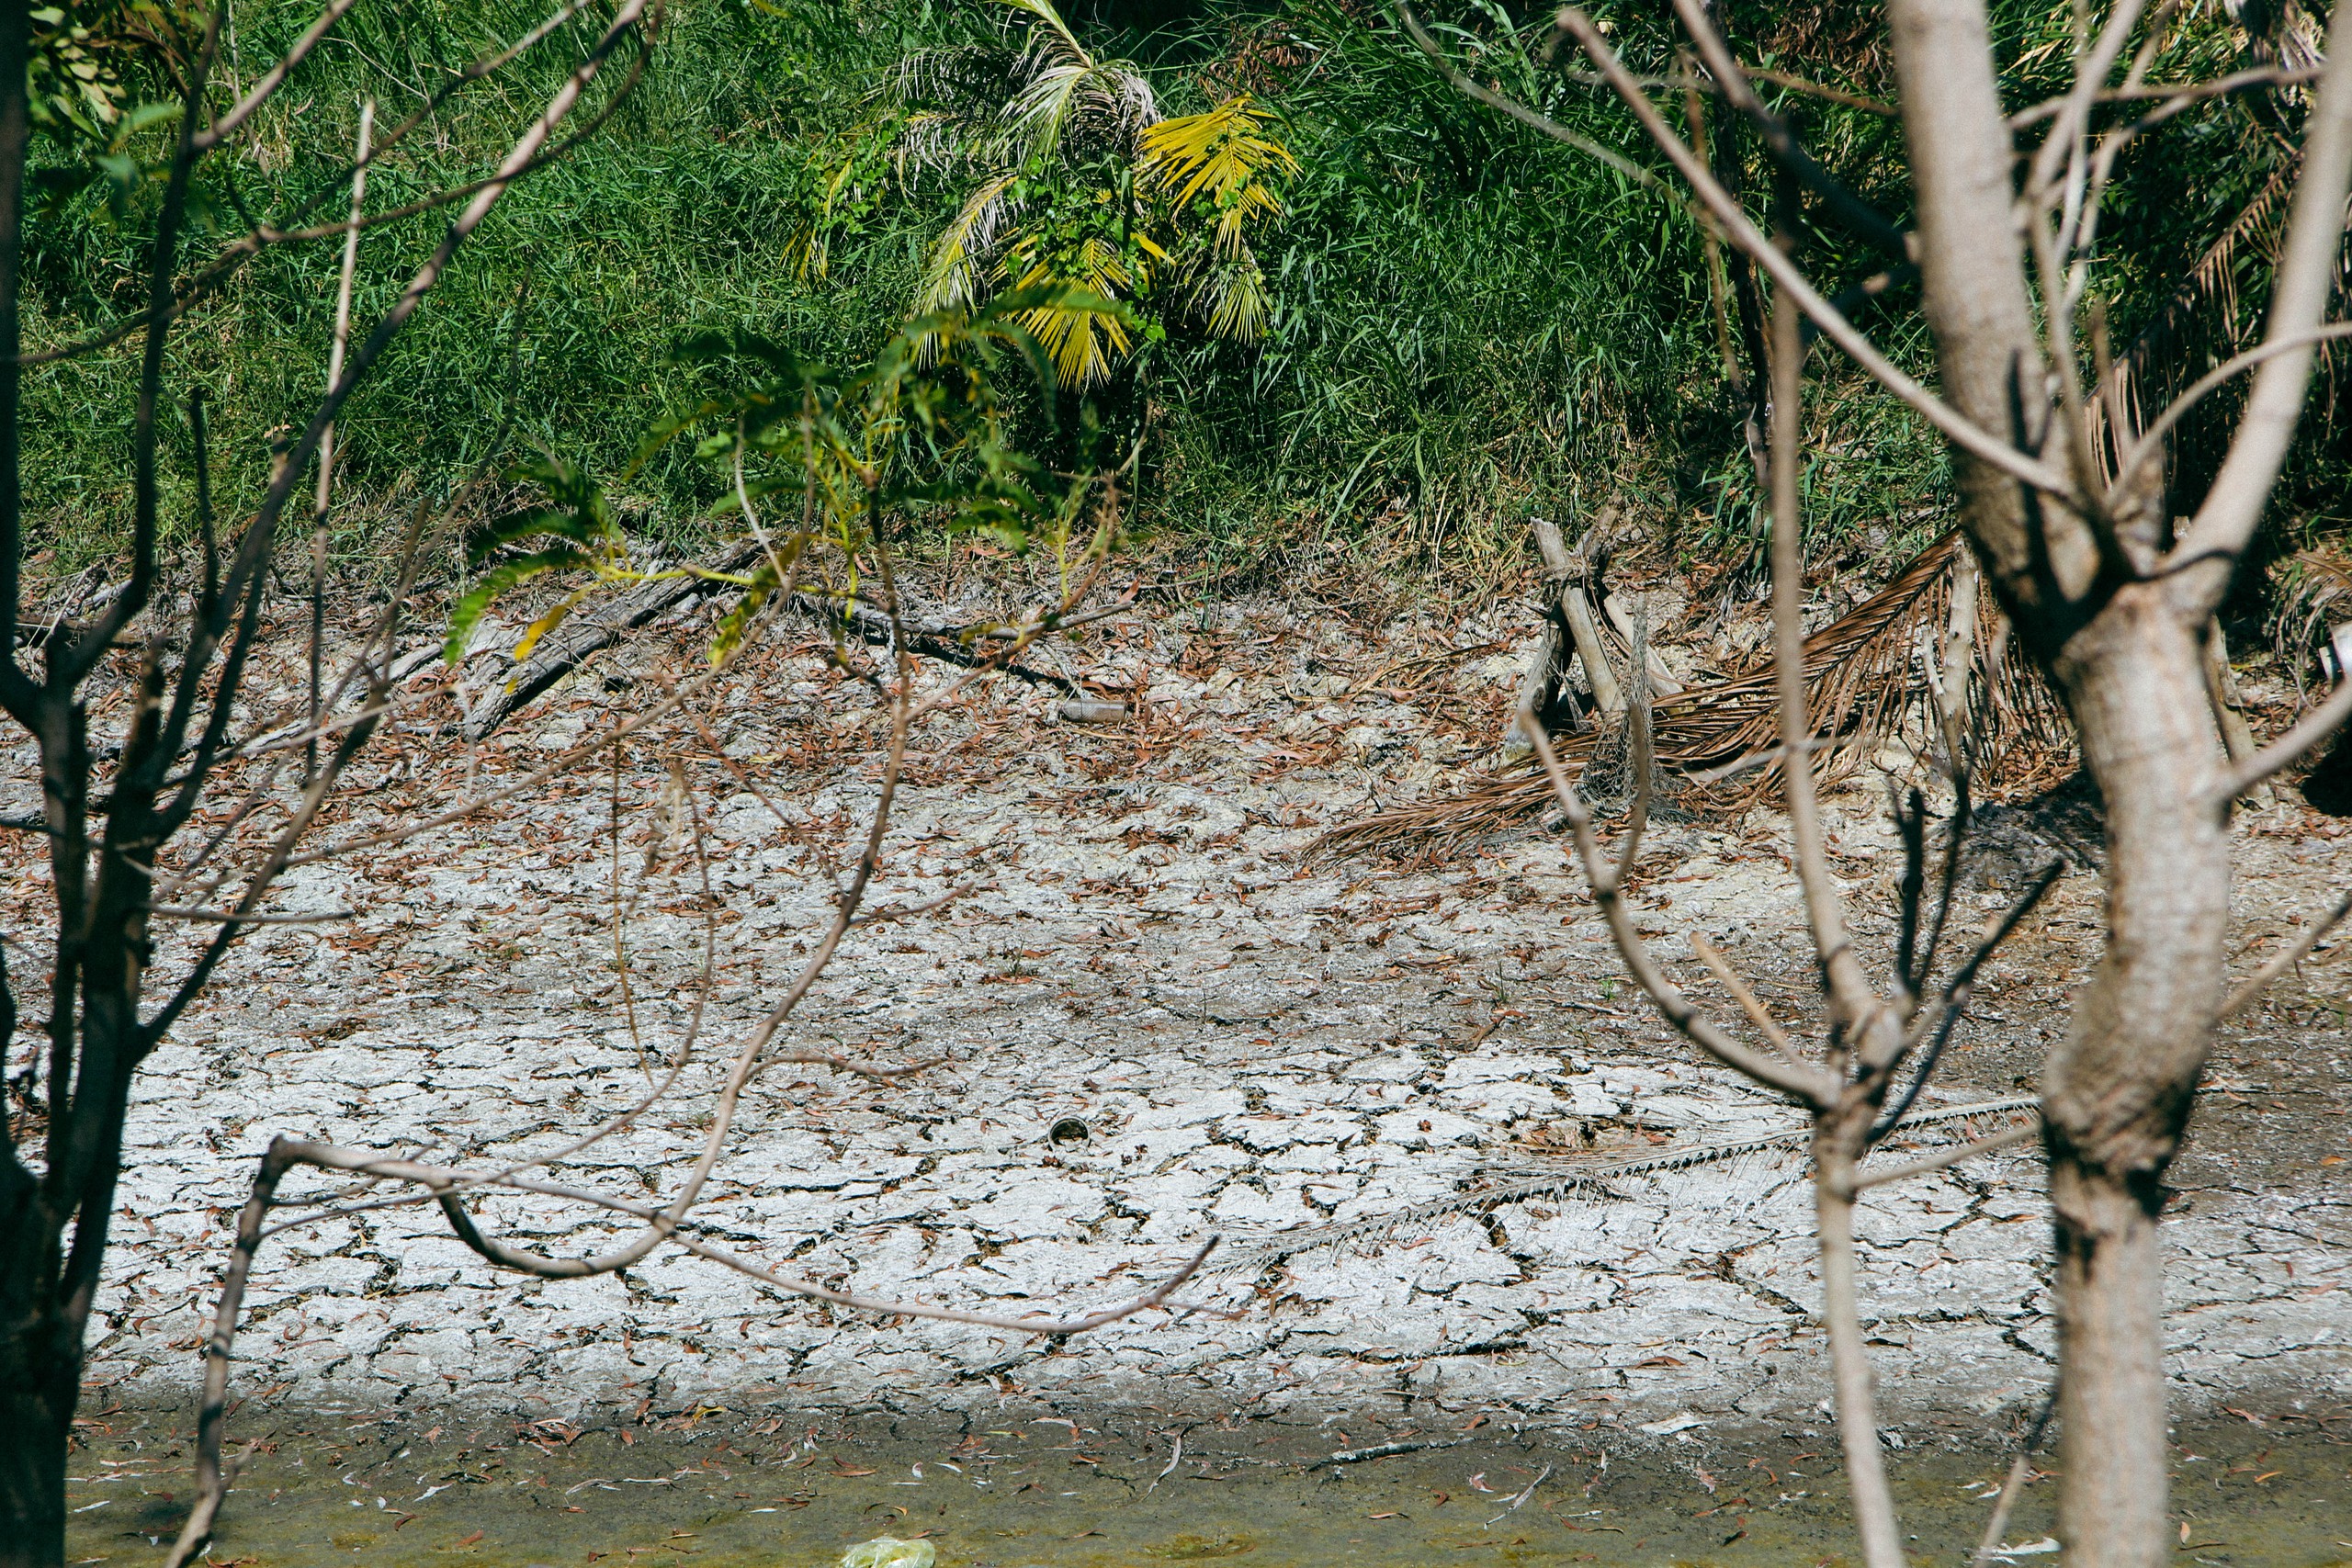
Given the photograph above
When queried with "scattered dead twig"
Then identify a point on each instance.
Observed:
(1517, 1503)
(1390, 1450)
(669, 1222)
(2020, 1466)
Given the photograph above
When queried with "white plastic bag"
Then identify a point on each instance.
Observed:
(883, 1551)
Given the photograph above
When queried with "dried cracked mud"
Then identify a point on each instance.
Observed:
(1152, 1023)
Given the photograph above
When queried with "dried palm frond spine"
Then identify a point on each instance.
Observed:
(1579, 1181)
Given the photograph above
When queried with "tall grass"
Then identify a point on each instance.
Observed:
(559, 316)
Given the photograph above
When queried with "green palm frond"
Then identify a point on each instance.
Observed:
(1059, 30)
(1106, 103)
(1041, 112)
(1040, 123)
(951, 276)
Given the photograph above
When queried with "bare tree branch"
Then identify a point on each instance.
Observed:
(1728, 977)
(2305, 277)
(2174, 97)
(1737, 227)
(2313, 727)
(1850, 209)
(1464, 83)
(2286, 958)
(1945, 1158)
(1808, 1086)
(2149, 449)
(1849, 989)
(221, 130)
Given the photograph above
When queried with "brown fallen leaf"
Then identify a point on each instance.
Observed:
(471, 1539)
(1391, 1516)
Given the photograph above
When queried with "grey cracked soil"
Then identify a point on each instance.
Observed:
(1227, 1042)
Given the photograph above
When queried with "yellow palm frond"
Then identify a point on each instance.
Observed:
(1226, 154)
(1233, 295)
(1082, 344)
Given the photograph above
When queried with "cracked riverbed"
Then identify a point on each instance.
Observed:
(1152, 1024)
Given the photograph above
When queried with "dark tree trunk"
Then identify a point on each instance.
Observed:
(40, 1374)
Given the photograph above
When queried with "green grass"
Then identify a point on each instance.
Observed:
(559, 315)
(1472, 325)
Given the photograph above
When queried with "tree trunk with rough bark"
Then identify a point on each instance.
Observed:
(2118, 1092)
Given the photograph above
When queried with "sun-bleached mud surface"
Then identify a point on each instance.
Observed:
(1152, 1024)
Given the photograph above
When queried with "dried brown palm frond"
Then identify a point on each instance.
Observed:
(1868, 683)
(2312, 592)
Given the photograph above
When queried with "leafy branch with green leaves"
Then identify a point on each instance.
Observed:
(922, 431)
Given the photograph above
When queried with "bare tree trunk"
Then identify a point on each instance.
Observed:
(1850, 1361)
(2117, 1093)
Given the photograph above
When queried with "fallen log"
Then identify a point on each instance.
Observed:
(591, 631)
(946, 643)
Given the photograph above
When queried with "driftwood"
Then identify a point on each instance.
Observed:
(1573, 630)
(590, 632)
(1570, 629)
(947, 644)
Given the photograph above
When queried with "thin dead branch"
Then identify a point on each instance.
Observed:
(2250, 989)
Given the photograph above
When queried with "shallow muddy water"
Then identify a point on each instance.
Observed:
(1115, 1495)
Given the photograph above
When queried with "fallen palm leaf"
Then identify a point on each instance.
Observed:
(1865, 680)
